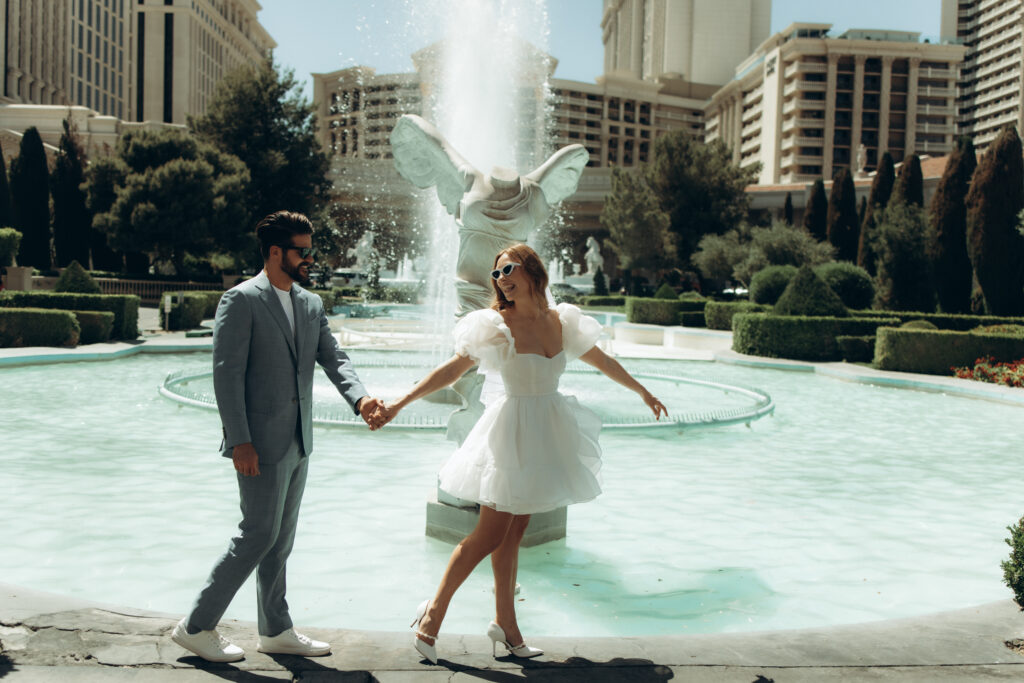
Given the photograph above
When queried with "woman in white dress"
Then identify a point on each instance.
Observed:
(532, 450)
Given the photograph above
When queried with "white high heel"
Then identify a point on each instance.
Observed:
(428, 651)
(497, 635)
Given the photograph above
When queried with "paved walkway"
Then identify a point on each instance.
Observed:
(46, 637)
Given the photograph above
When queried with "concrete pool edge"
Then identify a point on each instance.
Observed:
(45, 635)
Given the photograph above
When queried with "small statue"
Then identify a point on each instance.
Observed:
(493, 210)
(862, 160)
(593, 258)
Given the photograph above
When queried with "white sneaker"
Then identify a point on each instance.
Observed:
(291, 643)
(210, 645)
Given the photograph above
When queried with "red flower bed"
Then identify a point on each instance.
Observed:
(986, 370)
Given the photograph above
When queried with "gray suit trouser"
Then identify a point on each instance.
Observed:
(270, 509)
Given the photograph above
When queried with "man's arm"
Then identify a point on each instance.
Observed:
(232, 331)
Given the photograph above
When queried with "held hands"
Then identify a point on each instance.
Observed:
(372, 412)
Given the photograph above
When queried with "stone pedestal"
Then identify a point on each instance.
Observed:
(19, 278)
(451, 524)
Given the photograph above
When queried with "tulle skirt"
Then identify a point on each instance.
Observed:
(528, 454)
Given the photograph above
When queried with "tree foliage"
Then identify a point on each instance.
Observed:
(878, 198)
(71, 219)
(909, 185)
(904, 279)
(948, 246)
(807, 294)
(787, 209)
(259, 115)
(169, 195)
(739, 254)
(699, 187)
(6, 217)
(30, 201)
(76, 279)
(841, 220)
(638, 228)
(816, 213)
(994, 244)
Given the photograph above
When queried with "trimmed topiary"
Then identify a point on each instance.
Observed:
(666, 291)
(807, 294)
(919, 325)
(652, 311)
(769, 283)
(75, 279)
(10, 240)
(94, 326)
(718, 315)
(850, 282)
(856, 349)
(37, 327)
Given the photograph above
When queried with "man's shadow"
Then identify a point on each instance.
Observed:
(572, 670)
(6, 665)
(297, 666)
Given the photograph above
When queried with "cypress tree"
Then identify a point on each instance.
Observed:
(878, 198)
(909, 187)
(842, 216)
(995, 246)
(71, 219)
(30, 201)
(817, 211)
(948, 246)
(6, 218)
(787, 209)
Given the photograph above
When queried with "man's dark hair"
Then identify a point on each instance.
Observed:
(278, 228)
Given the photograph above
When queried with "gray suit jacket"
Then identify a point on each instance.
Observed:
(263, 376)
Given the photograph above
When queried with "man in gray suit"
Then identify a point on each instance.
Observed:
(268, 336)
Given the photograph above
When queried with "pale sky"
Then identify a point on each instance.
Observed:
(327, 35)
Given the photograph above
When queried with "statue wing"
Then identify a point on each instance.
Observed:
(559, 176)
(424, 158)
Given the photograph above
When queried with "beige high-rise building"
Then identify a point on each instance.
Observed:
(990, 95)
(696, 41)
(100, 56)
(184, 47)
(35, 49)
(805, 105)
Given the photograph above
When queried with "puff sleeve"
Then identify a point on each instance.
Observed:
(579, 332)
(483, 336)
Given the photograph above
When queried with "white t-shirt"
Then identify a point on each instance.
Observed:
(286, 304)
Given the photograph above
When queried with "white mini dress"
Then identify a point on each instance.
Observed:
(533, 449)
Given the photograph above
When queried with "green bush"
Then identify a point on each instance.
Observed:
(1011, 330)
(94, 326)
(1013, 568)
(798, 337)
(769, 283)
(666, 291)
(602, 301)
(856, 349)
(600, 283)
(10, 240)
(37, 327)
(125, 307)
(808, 295)
(652, 311)
(76, 279)
(851, 283)
(692, 296)
(188, 310)
(934, 352)
(944, 321)
(692, 319)
(399, 294)
(718, 314)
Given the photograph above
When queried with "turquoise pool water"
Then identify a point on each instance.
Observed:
(853, 503)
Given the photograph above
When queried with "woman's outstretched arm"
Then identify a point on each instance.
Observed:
(440, 377)
(611, 367)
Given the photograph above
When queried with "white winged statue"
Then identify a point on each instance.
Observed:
(492, 210)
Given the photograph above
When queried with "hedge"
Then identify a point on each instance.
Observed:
(856, 349)
(37, 327)
(770, 282)
(797, 337)
(602, 301)
(935, 352)
(852, 283)
(718, 314)
(944, 321)
(692, 319)
(94, 326)
(652, 311)
(125, 307)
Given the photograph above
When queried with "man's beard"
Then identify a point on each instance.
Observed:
(295, 273)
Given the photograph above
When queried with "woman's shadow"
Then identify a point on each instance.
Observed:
(573, 669)
(299, 667)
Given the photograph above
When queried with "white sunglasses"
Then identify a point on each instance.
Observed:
(504, 270)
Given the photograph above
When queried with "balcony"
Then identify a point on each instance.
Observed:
(937, 128)
(750, 145)
(935, 148)
(751, 128)
(931, 91)
(935, 110)
(811, 104)
(929, 72)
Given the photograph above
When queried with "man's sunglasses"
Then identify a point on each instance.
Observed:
(504, 270)
(304, 252)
